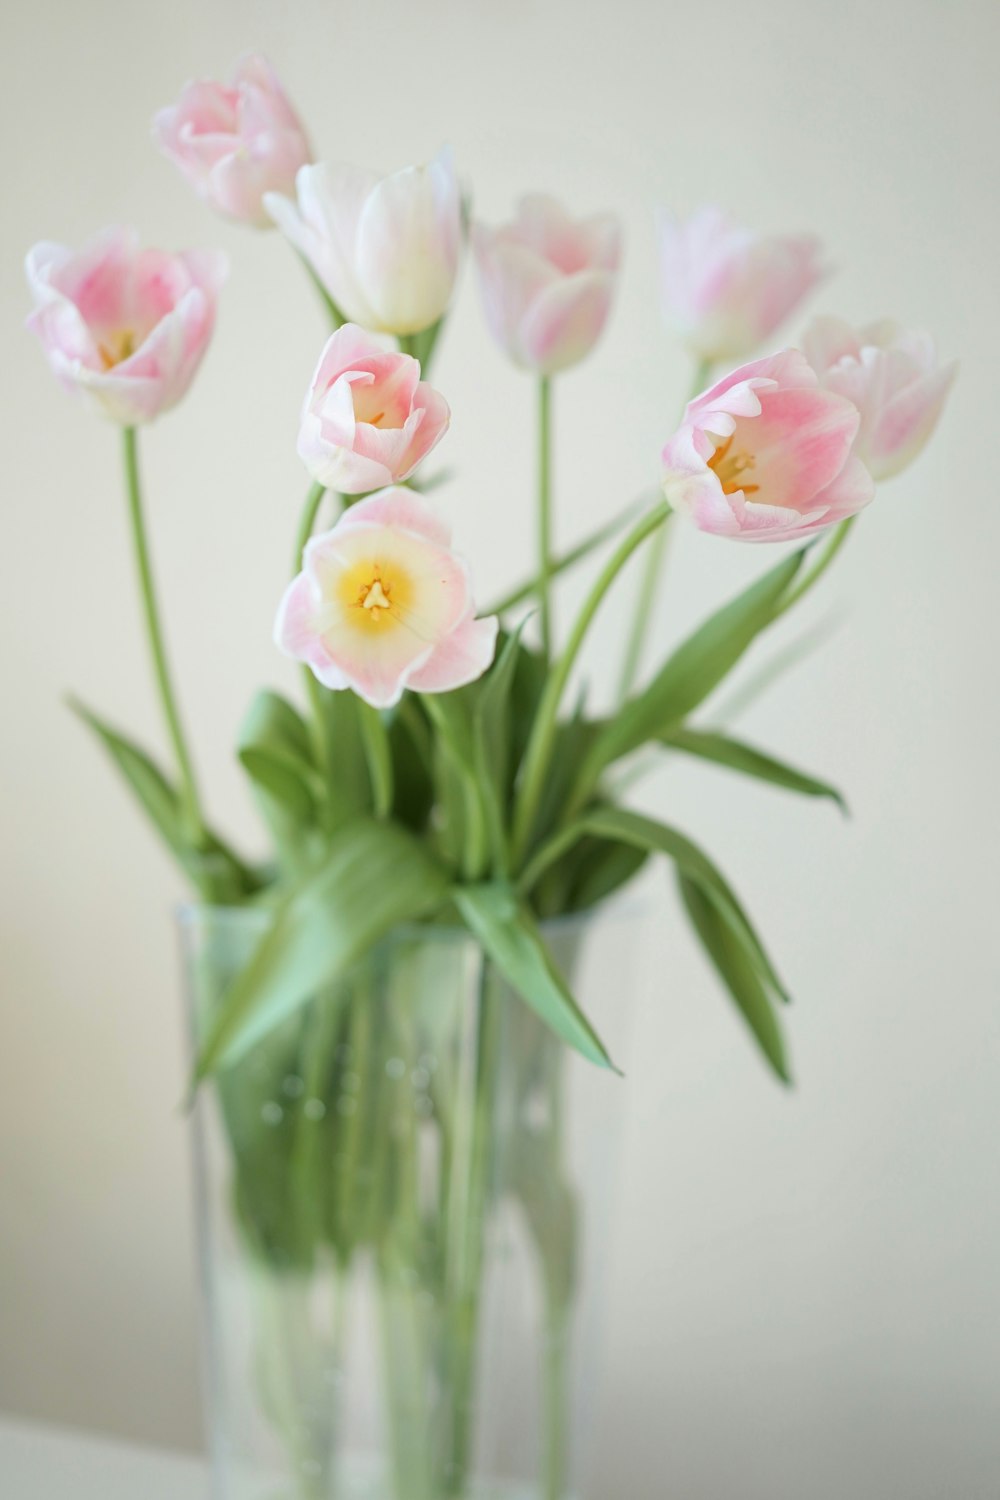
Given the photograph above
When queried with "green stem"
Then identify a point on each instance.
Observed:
(188, 788)
(556, 1437)
(651, 577)
(834, 543)
(643, 612)
(314, 689)
(468, 1214)
(333, 312)
(545, 514)
(375, 738)
(476, 852)
(540, 745)
(307, 520)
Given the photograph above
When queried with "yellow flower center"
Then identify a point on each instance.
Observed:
(116, 346)
(375, 594)
(375, 597)
(730, 467)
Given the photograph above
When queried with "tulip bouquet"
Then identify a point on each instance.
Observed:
(441, 772)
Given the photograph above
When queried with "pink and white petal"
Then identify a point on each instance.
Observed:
(462, 658)
(851, 490)
(800, 443)
(342, 469)
(400, 508)
(345, 350)
(295, 624)
(406, 251)
(738, 392)
(901, 429)
(384, 445)
(129, 400)
(426, 426)
(565, 321)
(511, 277)
(376, 666)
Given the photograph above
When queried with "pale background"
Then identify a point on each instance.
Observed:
(806, 1302)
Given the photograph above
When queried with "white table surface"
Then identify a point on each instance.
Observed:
(50, 1463)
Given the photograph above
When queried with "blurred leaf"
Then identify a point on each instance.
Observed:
(690, 674)
(491, 742)
(736, 971)
(410, 744)
(746, 692)
(512, 940)
(721, 750)
(375, 877)
(216, 871)
(275, 750)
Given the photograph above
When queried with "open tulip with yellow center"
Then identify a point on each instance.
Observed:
(383, 604)
(766, 454)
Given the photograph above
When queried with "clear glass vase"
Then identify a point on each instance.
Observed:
(404, 1213)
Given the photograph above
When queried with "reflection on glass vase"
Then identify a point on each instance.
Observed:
(404, 1213)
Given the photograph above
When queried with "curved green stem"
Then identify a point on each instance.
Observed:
(307, 521)
(643, 611)
(314, 689)
(540, 745)
(834, 543)
(375, 739)
(545, 514)
(651, 577)
(188, 787)
(333, 312)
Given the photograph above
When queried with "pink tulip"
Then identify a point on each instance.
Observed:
(125, 327)
(766, 455)
(547, 281)
(383, 604)
(893, 377)
(368, 419)
(725, 289)
(386, 249)
(235, 142)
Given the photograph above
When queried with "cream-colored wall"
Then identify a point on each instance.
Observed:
(806, 1301)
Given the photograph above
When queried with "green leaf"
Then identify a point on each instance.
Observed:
(721, 750)
(736, 972)
(512, 940)
(216, 871)
(348, 787)
(646, 833)
(690, 674)
(576, 554)
(375, 877)
(491, 742)
(275, 750)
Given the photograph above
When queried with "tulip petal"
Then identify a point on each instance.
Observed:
(462, 658)
(565, 321)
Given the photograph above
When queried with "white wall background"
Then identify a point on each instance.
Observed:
(806, 1300)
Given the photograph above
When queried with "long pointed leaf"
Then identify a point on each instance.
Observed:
(217, 872)
(690, 674)
(511, 938)
(491, 742)
(722, 750)
(375, 877)
(737, 973)
(693, 863)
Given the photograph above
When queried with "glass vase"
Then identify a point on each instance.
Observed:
(404, 1214)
